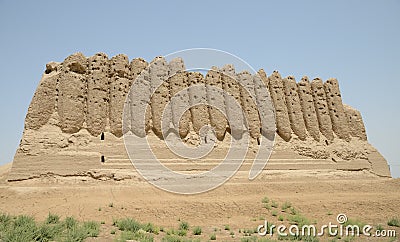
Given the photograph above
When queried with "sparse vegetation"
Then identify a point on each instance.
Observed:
(354, 222)
(265, 200)
(139, 235)
(280, 218)
(213, 237)
(348, 239)
(227, 227)
(293, 211)
(184, 225)
(298, 219)
(128, 224)
(274, 213)
(274, 204)
(182, 232)
(267, 206)
(25, 228)
(52, 219)
(91, 228)
(111, 205)
(150, 228)
(394, 222)
(249, 239)
(286, 205)
(197, 230)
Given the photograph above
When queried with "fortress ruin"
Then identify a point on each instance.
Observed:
(74, 125)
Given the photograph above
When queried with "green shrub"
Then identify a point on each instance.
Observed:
(280, 218)
(293, 211)
(265, 200)
(139, 235)
(394, 222)
(171, 232)
(274, 213)
(52, 219)
(379, 227)
(249, 239)
(213, 237)
(184, 225)
(274, 204)
(354, 222)
(197, 230)
(173, 238)
(92, 228)
(128, 224)
(286, 205)
(299, 220)
(77, 233)
(182, 232)
(227, 227)
(70, 222)
(149, 227)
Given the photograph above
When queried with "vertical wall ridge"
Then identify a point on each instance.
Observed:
(264, 104)
(119, 88)
(336, 110)
(215, 98)
(199, 112)
(72, 85)
(278, 98)
(232, 88)
(249, 107)
(179, 82)
(355, 122)
(308, 108)
(294, 107)
(321, 107)
(158, 70)
(98, 89)
(43, 103)
(137, 68)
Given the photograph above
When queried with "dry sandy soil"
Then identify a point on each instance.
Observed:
(237, 203)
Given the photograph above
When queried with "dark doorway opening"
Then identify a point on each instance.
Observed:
(103, 159)
(102, 136)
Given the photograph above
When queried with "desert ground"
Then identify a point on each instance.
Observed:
(227, 211)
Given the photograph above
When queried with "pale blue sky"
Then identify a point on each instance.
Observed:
(354, 41)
